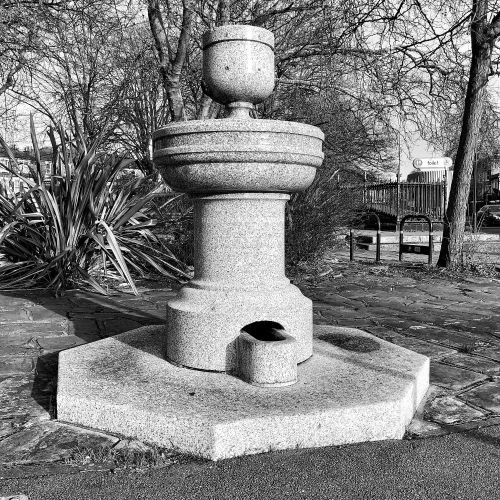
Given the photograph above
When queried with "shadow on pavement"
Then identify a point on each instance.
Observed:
(50, 324)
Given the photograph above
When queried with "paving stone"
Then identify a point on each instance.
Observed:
(384, 333)
(8, 301)
(433, 351)
(450, 410)
(447, 337)
(18, 315)
(118, 325)
(25, 471)
(25, 331)
(25, 399)
(335, 299)
(453, 378)
(485, 396)
(43, 315)
(352, 292)
(473, 363)
(79, 298)
(49, 442)
(84, 328)
(361, 324)
(393, 322)
(8, 427)
(12, 347)
(492, 353)
(343, 312)
(423, 428)
(50, 344)
(13, 365)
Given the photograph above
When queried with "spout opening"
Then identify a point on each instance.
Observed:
(265, 331)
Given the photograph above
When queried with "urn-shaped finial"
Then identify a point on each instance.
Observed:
(238, 67)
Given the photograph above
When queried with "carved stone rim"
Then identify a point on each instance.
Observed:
(238, 32)
(255, 126)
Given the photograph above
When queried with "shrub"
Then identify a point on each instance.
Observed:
(74, 226)
(175, 224)
(314, 216)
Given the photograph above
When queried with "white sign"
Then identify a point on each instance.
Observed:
(432, 163)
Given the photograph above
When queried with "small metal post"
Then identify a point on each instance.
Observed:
(431, 242)
(445, 195)
(401, 242)
(398, 196)
(474, 197)
(351, 245)
(377, 251)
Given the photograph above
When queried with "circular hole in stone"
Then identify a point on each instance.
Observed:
(267, 331)
(350, 342)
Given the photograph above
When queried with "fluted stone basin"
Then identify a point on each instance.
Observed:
(238, 155)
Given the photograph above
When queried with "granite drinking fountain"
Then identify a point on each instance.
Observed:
(235, 370)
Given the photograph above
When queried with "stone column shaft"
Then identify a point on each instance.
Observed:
(239, 240)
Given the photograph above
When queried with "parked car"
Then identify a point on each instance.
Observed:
(489, 215)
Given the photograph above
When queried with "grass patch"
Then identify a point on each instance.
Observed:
(122, 457)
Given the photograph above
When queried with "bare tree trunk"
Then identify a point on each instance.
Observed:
(223, 13)
(171, 65)
(209, 109)
(483, 36)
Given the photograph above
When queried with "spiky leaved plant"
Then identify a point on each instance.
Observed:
(76, 226)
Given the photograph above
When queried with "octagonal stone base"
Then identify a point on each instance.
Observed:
(355, 388)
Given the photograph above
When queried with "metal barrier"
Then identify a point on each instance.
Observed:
(351, 238)
(416, 248)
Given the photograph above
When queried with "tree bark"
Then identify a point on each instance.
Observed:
(483, 36)
(170, 66)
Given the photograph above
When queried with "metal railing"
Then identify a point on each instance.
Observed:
(407, 198)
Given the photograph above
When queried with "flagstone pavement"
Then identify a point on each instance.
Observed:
(455, 323)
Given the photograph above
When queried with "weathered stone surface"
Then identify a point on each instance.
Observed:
(36, 470)
(50, 344)
(485, 396)
(450, 410)
(25, 331)
(423, 428)
(447, 337)
(431, 350)
(49, 442)
(115, 326)
(453, 378)
(355, 388)
(16, 364)
(41, 314)
(473, 363)
(84, 328)
(8, 427)
(492, 353)
(18, 315)
(23, 400)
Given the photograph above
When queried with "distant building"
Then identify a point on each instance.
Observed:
(486, 181)
(24, 159)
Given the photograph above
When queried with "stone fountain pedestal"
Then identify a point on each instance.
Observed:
(354, 388)
(238, 368)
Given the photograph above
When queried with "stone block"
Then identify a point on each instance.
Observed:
(266, 356)
(453, 378)
(485, 396)
(345, 393)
